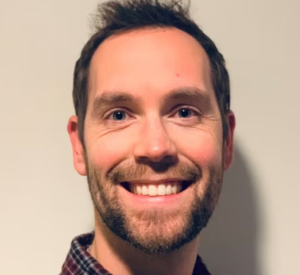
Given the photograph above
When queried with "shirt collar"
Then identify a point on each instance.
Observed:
(79, 261)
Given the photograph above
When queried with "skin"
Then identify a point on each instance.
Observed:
(151, 64)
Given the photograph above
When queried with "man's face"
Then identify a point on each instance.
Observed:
(154, 149)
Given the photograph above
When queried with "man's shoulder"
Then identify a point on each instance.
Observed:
(200, 267)
(79, 261)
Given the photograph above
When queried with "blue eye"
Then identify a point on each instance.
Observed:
(185, 113)
(119, 115)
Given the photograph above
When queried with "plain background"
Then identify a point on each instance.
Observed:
(44, 203)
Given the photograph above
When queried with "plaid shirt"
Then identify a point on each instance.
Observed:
(80, 262)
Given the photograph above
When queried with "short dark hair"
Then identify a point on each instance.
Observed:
(120, 16)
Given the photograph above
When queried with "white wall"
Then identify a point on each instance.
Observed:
(44, 203)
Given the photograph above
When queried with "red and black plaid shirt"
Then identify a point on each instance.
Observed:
(80, 262)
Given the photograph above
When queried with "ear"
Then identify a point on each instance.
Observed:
(77, 147)
(228, 141)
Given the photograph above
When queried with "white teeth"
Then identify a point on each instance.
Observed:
(152, 190)
(156, 190)
(144, 190)
(174, 189)
(139, 190)
(169, 189)
(161, 190)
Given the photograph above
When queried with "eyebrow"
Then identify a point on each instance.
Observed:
(109, 98)
(193, 94)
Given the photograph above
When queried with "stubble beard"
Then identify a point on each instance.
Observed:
(157, 231)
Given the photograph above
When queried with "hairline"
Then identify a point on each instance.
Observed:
(137, 29)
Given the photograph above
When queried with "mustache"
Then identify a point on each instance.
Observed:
(133, 172)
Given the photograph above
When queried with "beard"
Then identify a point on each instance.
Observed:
(155, 231)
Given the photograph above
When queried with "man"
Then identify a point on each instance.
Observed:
(153, 133)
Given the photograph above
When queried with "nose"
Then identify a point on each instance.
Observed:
(154, 143)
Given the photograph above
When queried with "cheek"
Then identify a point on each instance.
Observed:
(200, 147)
(109, 150)
(204, 150)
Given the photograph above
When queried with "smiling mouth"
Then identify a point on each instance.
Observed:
(156, 189)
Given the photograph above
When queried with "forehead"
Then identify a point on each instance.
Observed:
(149, 61)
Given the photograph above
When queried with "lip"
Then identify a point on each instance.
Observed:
(145, 202)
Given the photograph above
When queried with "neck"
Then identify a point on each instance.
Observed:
(119, 257)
